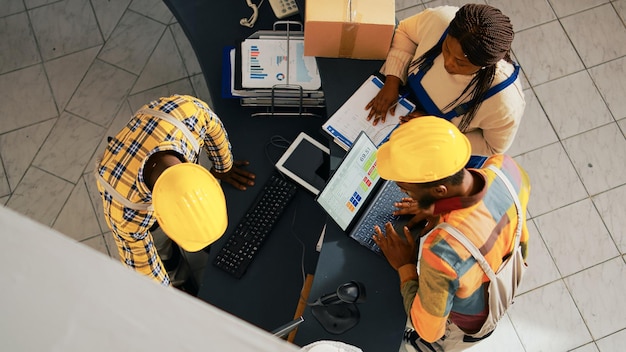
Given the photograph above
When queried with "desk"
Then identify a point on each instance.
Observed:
(268, 294)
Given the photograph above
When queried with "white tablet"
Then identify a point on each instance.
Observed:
(307, 162)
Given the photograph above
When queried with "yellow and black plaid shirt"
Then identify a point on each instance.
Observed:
(123, 163)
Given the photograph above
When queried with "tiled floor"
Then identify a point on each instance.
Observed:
(72, 71)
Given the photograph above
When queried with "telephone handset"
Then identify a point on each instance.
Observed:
(281, 8)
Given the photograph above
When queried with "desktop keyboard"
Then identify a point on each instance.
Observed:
(248, 236)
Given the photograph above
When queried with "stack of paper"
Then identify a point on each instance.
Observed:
(269, 69)
(268, 62)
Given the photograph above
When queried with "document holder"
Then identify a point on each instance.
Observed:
(277, 76)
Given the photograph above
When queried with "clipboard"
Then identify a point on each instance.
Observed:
(350, 119)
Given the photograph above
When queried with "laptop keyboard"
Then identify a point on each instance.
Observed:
(381, 213)
(246, 239)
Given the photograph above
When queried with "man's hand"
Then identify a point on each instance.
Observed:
(236, 176)
(411, 116)
(398, 251)
(408, 205)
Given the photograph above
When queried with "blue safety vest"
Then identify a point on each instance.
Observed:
(415, 82)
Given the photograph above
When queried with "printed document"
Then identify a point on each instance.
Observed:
(266, 63)
(351, 118)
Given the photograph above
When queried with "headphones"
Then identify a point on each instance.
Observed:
(249, 22)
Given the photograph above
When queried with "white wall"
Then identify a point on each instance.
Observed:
(59, 295)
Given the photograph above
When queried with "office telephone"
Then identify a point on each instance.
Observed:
(284, 8)
(281, 8)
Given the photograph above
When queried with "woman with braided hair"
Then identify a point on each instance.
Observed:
(455, 63)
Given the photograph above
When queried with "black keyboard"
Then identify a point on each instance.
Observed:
(379, 212)
(248, 236)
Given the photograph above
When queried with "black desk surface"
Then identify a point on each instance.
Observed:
(268, 293)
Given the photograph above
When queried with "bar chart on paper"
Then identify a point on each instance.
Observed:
(266, 63)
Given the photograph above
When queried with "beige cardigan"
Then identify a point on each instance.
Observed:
(494, 126)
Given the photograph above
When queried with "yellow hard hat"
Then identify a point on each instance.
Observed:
(424, 149)
(190, 206)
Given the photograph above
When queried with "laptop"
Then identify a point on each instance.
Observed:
(357, 198)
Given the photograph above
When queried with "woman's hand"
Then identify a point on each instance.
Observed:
(384, 100)
(236, 176)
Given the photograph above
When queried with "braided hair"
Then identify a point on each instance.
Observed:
(485, 35)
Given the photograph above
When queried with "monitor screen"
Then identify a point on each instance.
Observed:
(352, 184)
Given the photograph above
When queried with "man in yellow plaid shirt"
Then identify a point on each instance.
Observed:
(148, 172)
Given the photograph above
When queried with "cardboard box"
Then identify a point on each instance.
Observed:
(357, 29)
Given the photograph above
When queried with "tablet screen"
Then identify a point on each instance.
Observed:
(307, 162)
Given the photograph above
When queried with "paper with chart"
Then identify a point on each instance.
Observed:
(351, 118)
(265, 63)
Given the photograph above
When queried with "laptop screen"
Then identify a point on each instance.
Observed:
(352, 184)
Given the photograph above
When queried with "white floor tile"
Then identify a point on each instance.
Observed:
(620, 7)
(612, 207)
(132, 42)
(186, 50)
(525, 14)
(504, 335)
(609, 78)
(155, 9)
(165, 55)
(590, 347)
(10, 7)
(22, 88)
(29, 139)
(108, 13)
(65, 27)
(553, 179)
(201, 89)
(598, 34)
(598, 156)
(535, 130)
(69, 147)
(36, 3)
(40, 196)
(408, 12)
(457, 3)
(403, 4)
(546, 319)
(568, 233)
(5, 190)
(613, 343)
(66, 72)
(598, 292)
(78, 218)
(101, 93)
(97, 243)
(17, 43)
(545, 53)
(583, 109)
(568, 7)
